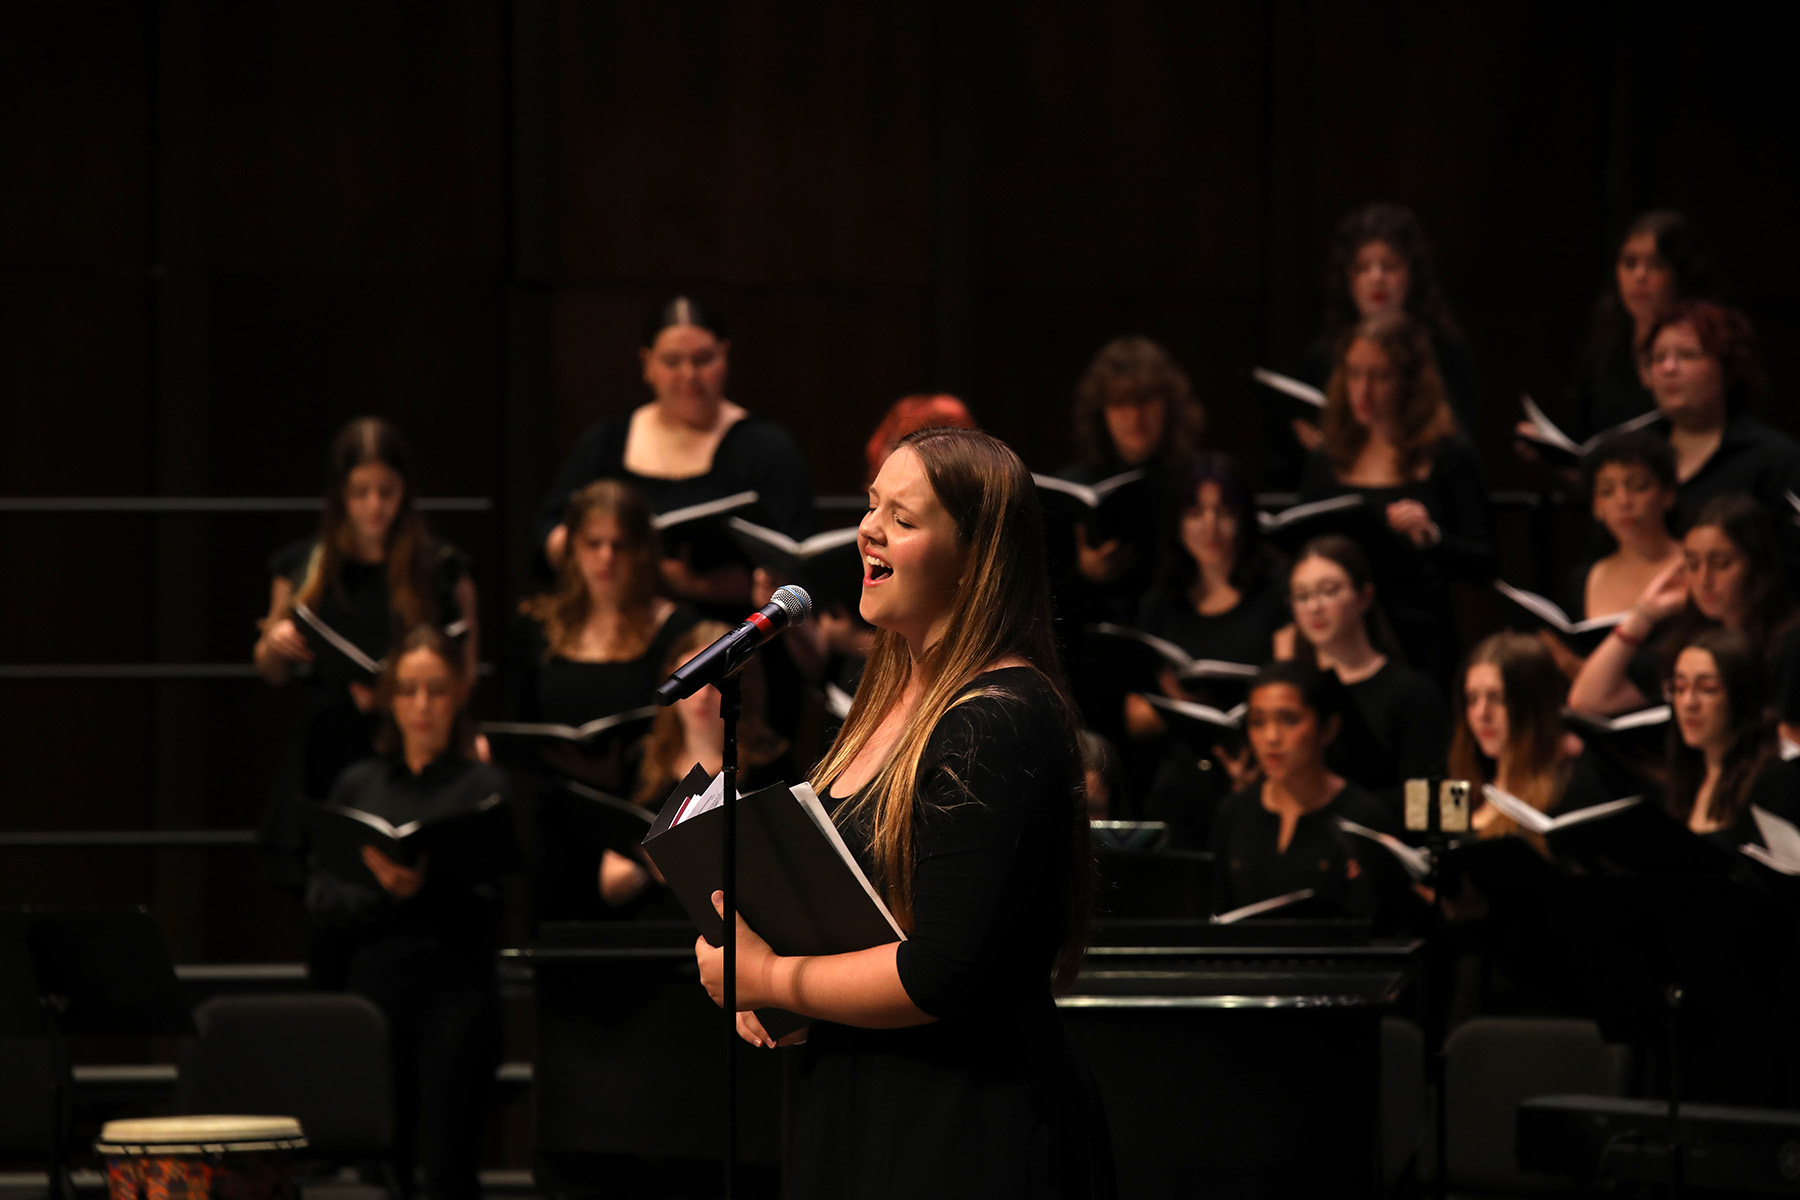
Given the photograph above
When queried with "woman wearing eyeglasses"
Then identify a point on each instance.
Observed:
(1395, 721)
(1704, 372)
(1730, 575)
(1719, 742)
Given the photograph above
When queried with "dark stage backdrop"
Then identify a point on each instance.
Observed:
(225, 229)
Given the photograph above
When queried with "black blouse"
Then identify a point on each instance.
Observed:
(1395, 727)
(1248, 867)
(1244, 633)
(987, 1101)
(564, 691)
(458, 908)
(1413, 583)
(337, 733)
(1752, 459)
(755, 455)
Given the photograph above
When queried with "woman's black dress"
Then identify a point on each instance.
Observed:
(1183, 784)
(1248, 866)
(562, 691)
(428, 963)
(1412, 584)
(988, 1101)
(755, 455)
(1395, 727)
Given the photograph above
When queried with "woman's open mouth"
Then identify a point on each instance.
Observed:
(875, 570)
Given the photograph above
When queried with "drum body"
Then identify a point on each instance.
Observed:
(201, 1158)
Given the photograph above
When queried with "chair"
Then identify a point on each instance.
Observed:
(25, 1099)
(318, 1057)
(1493, 1063)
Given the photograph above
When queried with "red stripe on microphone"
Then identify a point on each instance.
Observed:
(762, 623)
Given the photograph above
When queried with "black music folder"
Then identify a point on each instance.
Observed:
(828, 565)
(470, 844)
(1557, 447)
(1584, 636)
(798, 885)
(1145, 654)
(604, 821)
(592, 753)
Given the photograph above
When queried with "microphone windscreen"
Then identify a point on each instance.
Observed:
(795, 603)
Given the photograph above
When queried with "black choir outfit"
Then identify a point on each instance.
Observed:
(1181, 784)
(428, 963)
(336, 733)
(1395, 727)
(1607, 389)
(1249, 866)
(541, 687)
(1412, 584)
(988, 1101)
(754, 455)
(1753, 459)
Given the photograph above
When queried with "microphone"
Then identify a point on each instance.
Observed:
(789, 607)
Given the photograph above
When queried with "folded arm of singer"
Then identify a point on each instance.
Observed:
(987, 910)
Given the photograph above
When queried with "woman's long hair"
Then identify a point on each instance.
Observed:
(409, 546)
(1135, 364)
(1768, 608)
(1397, 227)
(1752, 739)
(1002, 610)
(1336, 548)
(1251, 560)
(564, 611)
(1679, 244)
(1424, 407)
(1534, 690)
(662, 765)
(388, 738)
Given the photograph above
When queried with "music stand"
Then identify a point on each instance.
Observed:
(1678, 963)
(84, 973)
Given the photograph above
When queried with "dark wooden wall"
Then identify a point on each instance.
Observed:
(227, 228)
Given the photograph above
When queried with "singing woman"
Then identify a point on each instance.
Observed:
(937, 1066)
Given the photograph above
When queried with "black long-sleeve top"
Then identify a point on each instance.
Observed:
(458, 906)
(1752, 459)
(1412, 583)
(538, 686)
(359, 607)
(1395, 727)
(755, 455)
(985, 1101)
(1248, 867)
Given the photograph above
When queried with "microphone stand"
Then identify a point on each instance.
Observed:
(730, 708)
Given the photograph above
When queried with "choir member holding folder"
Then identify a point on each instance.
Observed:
(1217, 597)
(1134, 411)
(1509, 733)
(337, 602)
(1380, 262)
(688, 445)
(1390, 438)
(594, 647)
(423, 929)
(936, 1066)
(1280, 835)
(1395, 721)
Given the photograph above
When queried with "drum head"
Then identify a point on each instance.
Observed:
(199, 1135)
